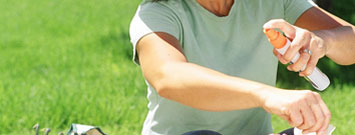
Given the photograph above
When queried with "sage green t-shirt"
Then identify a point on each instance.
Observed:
(234, 45)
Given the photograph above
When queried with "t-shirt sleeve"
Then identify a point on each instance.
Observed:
(295, 8)
(152, 17)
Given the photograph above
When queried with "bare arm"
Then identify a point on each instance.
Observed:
(338, 35)
(167, 70)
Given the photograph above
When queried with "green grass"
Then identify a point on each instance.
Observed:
(64, 62)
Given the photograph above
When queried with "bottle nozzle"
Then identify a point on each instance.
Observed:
(275, 38)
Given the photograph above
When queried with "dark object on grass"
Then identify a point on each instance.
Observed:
(46, 131)
(36, 127)
(78, 129)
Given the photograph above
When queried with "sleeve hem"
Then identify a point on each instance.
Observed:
(135, 54)
(297, 11)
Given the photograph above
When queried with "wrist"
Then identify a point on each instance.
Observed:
(326, 37)
(263, 94)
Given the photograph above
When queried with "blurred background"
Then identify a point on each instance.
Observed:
(65, 61)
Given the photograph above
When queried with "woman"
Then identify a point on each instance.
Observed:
(208, 65)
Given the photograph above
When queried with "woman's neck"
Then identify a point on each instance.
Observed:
(217, 7)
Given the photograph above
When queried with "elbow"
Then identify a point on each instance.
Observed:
(345, 62)
(162, 82)
(166, 89)
(163, 90)
(159, 84)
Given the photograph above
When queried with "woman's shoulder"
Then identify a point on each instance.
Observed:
(162, 16)
(160, 11)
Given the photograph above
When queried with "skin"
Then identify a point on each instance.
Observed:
(174, 78)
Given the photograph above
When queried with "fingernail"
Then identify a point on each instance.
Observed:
(288, 67)
(265, 26)
(301, 74)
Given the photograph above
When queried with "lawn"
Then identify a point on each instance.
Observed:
(64, 61)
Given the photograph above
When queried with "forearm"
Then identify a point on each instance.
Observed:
(206, 89)
(168, 71)
(340, 44)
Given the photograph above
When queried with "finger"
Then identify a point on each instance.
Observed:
(308, 117)
(285, 117)
(301, 63)
(296, 117)
(327, 114)
(275, 52)
(311, 65)
(279, 56)
(313, 60)
(284, 26)
(319, 115)
(285, 114)
(302, 40)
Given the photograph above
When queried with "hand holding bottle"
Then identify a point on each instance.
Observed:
(303, 52)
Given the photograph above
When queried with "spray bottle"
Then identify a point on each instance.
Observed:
(318, 79)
